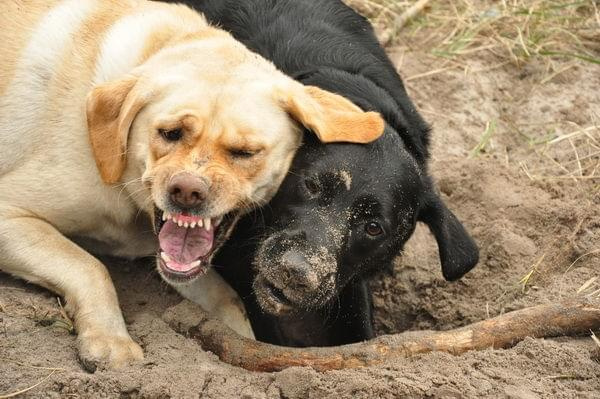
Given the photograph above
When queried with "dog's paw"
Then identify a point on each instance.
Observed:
(107, 350)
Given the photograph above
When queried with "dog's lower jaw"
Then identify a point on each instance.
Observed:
(180, 278)
(270, 300)
(274, 301)
(223, 227)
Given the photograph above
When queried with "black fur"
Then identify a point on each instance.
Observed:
(301, 263)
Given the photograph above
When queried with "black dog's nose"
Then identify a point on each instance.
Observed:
(187, 190)
(299, 272)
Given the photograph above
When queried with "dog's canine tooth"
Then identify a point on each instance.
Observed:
(207, 224)
(164, 217)
(195, 263)
(165, 257)
(192, 225)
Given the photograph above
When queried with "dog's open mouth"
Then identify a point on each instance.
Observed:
(187, 243)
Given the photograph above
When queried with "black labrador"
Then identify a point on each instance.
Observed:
(302, 263)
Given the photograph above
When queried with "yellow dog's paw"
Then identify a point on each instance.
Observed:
(107, 350)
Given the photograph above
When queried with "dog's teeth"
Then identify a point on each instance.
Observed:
(180, 223)
(199, 222)
(192, 225)
(186, 225)
(207, 224)
(196, 263)
(164, 217)
(165, 257)
(169, 216)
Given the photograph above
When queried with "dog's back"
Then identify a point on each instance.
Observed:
(316, 41)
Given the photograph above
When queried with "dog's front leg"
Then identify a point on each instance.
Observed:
(34, 250)
(220, 300)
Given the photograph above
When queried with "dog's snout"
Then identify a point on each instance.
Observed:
(295, 235)
(187, 190)
(299, 272)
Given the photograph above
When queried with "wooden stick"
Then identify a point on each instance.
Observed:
(572, 317)
(401, 20)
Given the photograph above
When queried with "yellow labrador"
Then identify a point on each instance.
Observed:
(120, 117)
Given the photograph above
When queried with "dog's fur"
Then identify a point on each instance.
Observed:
(310, 247)
(103, 104)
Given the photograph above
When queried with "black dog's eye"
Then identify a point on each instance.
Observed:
(171, 134)
(241, 153)
(312, 186)
(373, 229)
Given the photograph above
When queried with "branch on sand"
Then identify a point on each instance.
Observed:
(401, 20)
(575, 316)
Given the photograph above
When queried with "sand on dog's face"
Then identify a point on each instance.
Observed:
(516, 221)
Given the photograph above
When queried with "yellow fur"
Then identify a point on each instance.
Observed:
(85, 86)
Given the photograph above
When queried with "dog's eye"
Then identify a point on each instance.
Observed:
(242, 153)
(171, 134)
(312, 186)
(373, 229)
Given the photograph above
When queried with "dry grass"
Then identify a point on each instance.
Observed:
(29, 388)
(19, 392)
(517, 30)
(571, 152)
(43, 316)
(596, 339)
(555, 36)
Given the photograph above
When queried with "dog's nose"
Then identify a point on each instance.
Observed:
(299, 272)
(187, 190)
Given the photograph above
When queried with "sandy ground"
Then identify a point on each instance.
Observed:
(522, 216)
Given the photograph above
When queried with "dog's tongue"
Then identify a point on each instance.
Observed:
(185, 245)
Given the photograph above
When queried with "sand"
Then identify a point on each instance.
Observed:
(522, 217)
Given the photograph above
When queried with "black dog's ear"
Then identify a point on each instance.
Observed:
(458, 251)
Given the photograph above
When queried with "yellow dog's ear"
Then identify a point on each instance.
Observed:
(331, 117)
(111, 109)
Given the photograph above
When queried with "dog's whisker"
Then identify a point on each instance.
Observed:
(124, 186)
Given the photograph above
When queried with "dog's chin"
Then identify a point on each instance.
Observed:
(188, 243)
(271, 299)
(174, 277)
(274, 300)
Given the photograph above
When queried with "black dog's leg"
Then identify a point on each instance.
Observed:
(355, 320)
